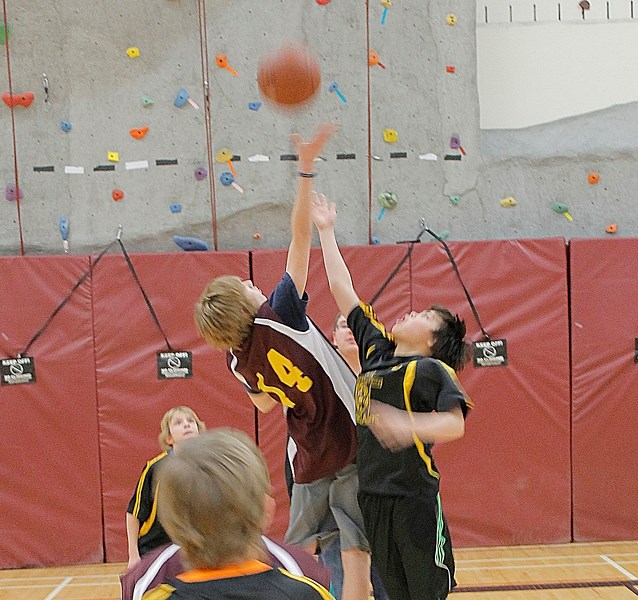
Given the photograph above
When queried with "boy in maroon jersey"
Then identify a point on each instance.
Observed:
(282, 358)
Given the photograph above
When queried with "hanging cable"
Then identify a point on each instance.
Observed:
(203, 49)
(146, 298)
(458, 275)
(59, 307)
(13, 126)
(425, 228)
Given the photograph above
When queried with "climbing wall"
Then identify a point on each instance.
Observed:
(155, 121)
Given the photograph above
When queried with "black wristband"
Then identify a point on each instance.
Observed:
(310, 175)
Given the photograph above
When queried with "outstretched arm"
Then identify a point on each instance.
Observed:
(300, 218)
(324, 215)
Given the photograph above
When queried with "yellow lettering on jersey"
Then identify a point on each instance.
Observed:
(161, 592)
(287, 372)
(365, 383)
(269, 389)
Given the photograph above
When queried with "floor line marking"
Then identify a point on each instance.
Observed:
(460, 567)
(58, 589)
(540, 557)
(618, 567)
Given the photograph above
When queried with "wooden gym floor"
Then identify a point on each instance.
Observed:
(559, 572)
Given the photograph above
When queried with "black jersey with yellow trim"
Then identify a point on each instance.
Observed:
(247, 581)
(410, 383)
(143, 506)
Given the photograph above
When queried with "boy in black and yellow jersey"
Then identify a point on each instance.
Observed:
(407, 398)
(144, 531)
(212, 501)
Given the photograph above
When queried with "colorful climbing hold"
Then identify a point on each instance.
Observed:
(391, 136)
(559, 207)
(190, 243)
(117, 194)
(593, 178)
(12, 100)
(139, 133)
(133, 52)
(5, 34)
(11, 194)
(201, 173)
(226, 178)
(181, 98)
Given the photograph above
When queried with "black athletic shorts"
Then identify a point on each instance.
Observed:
(410, 545)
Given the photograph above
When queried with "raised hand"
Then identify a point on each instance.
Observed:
(309, 150)
(324, 213)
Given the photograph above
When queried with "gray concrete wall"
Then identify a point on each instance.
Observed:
(93, 84)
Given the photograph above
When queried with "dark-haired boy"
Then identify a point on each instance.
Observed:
(407, 397)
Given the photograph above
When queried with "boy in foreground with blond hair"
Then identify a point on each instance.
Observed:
(281, 358)
(212, 499)
(407, 398)
(143, 530)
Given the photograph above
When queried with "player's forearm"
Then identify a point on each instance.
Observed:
(301, 235)
(263, 401)
(337, 271)
(132, 533)
(438, 426)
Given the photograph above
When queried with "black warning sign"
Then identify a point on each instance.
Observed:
(492, 353)
(17, 370)
(174, 365)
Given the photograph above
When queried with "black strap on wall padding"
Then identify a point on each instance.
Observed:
(146, 298)
(59, 307)
(407, 255)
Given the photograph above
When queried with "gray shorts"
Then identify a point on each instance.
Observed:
(316, 507)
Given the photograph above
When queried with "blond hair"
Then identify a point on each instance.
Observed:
(211, 498)
(224, 314)
(166, 422)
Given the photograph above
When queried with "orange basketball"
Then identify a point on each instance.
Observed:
(289, 76)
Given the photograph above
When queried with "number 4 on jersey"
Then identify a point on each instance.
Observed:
(287, 372)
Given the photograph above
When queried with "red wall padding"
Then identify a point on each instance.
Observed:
(604, 384)
(131, 398)
(508, 480)
(370, 266)
(74, 443)
(50, 494)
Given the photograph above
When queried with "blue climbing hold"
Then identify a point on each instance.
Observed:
(65, 126)
(182, 98)
(176, 208)
(375, 240)
(226, 178)
(63, 224)
(190, 243)
(254, 105)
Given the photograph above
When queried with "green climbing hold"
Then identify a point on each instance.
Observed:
(5, 34)
(146, 101)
